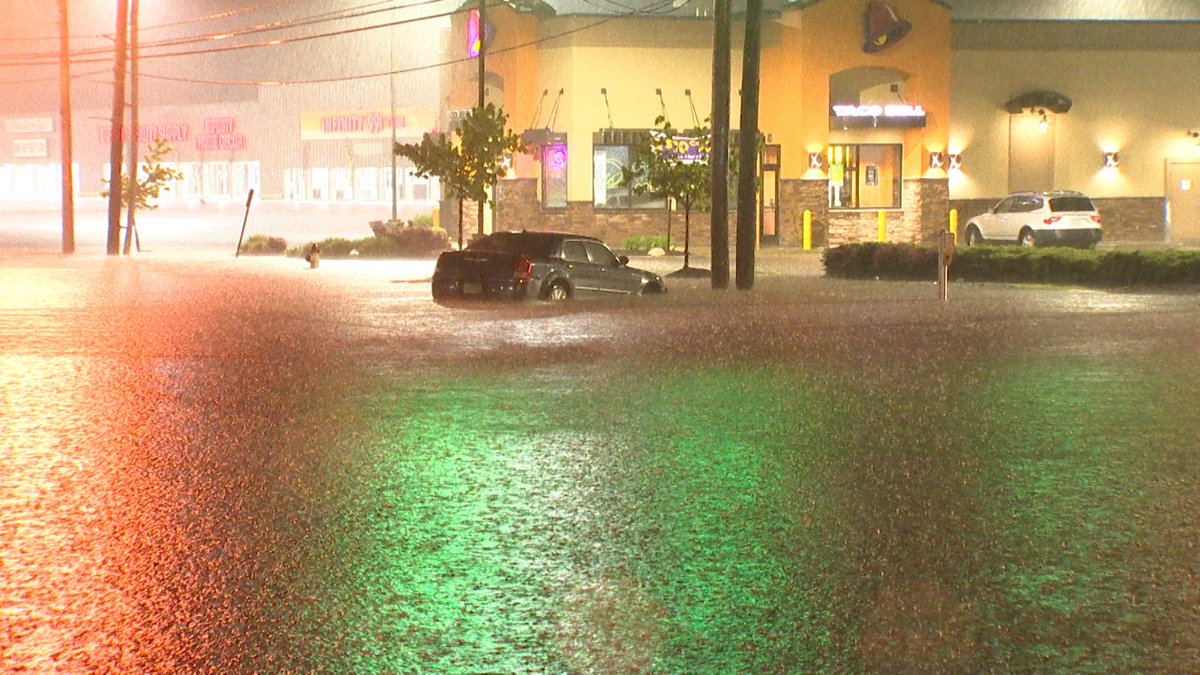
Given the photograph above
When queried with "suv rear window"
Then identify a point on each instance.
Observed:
(1071, 204)
(532, 245)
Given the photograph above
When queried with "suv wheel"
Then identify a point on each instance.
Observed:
(558, 291)
(973, 237)
(1027, 238)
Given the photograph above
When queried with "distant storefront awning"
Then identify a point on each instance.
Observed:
(1050, 101)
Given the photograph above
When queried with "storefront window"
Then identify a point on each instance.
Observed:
(608, 192)
(864, 176)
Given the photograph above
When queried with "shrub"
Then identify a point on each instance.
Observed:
(261, 244)
(411, 241)
(423, 221)
(1015, 264)
(643, 242)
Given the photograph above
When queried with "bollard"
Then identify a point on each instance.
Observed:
(807, 230)
(945, 257)
(954, 224)
(882, 227)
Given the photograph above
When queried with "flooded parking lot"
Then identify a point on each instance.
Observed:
(219, 465)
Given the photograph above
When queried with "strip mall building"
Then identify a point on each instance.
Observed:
(865, 108)
(910, 108)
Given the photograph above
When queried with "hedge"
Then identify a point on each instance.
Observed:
(1111, 268)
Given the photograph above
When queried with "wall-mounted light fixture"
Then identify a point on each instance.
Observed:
(955, 161)
(1194, 135)
(816, 161)
(1111, 160)
(937, 160)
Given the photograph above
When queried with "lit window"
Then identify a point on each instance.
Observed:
(864, 176)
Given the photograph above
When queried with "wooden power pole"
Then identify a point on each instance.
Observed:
(118, 119)
(66, 154)
(748, 149)
(722, 11)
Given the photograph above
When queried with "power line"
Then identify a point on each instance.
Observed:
(403, 71)
(47, 58)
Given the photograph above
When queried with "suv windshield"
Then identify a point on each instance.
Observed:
(1071, 204)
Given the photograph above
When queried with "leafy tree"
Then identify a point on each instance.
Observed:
(472, 162)
(153, 178)
(670, 164)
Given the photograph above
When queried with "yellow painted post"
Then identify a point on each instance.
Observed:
(954, 224)
(882, 227)
(807, 230)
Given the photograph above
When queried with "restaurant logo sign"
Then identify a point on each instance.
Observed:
(901, 115)
(883, 28)
(362, 124)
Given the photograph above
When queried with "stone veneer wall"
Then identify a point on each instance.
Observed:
(925, 213)
(517, 207)
(1125, 218)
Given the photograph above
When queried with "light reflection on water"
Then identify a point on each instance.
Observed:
(741, 520)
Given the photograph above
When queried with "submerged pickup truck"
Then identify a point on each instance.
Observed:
(537, 266)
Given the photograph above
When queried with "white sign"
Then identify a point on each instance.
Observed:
(29, 148)
(29, 125)
(1185, 185)
(891, 110)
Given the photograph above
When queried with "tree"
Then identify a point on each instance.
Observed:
(670, 164)
(153, 178)
(470, 164)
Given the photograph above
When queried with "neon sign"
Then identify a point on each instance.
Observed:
(475, 34)
(891, 115)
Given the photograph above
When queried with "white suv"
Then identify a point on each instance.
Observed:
(1038, 219)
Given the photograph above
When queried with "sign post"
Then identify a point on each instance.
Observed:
(945, 256)
(249, 198)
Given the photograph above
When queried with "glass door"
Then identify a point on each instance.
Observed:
(768, 223)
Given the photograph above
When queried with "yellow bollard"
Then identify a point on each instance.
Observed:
(807, 230)
(882, 227)
(954, 224)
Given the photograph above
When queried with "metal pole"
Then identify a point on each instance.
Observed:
(249, 198)
(68, 176)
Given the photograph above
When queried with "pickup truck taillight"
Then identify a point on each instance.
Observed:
(524, 269)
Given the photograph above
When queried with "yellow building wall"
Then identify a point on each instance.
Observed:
(630, 59)
(831, 39)
(1133, 102)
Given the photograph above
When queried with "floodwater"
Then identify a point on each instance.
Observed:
(211, 465)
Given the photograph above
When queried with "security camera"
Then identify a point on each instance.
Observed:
(1194, 134)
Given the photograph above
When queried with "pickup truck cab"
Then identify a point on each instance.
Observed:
(550, 266)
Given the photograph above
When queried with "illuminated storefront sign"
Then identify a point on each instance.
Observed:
(315, 126)
(30, 148)
(172, 133)
(29, 125)
(891, 115)
(220, 134)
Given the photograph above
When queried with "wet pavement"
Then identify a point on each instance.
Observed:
(211, 465)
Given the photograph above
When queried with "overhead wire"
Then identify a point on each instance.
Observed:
(51, 58)
(654, 7)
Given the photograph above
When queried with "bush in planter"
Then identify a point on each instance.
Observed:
(261, 244)
(644, 242)
(411, 241)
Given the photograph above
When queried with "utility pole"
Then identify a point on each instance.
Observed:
(392, 122)
(720, 143)
(482, 90)
(64, 100)
(130, 226)
(748, 149)
(118, 119)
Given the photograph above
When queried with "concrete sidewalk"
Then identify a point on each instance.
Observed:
(768, 262)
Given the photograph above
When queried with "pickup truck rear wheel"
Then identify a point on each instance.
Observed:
(558, 292)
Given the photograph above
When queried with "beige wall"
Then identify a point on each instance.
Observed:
(1140, 103)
